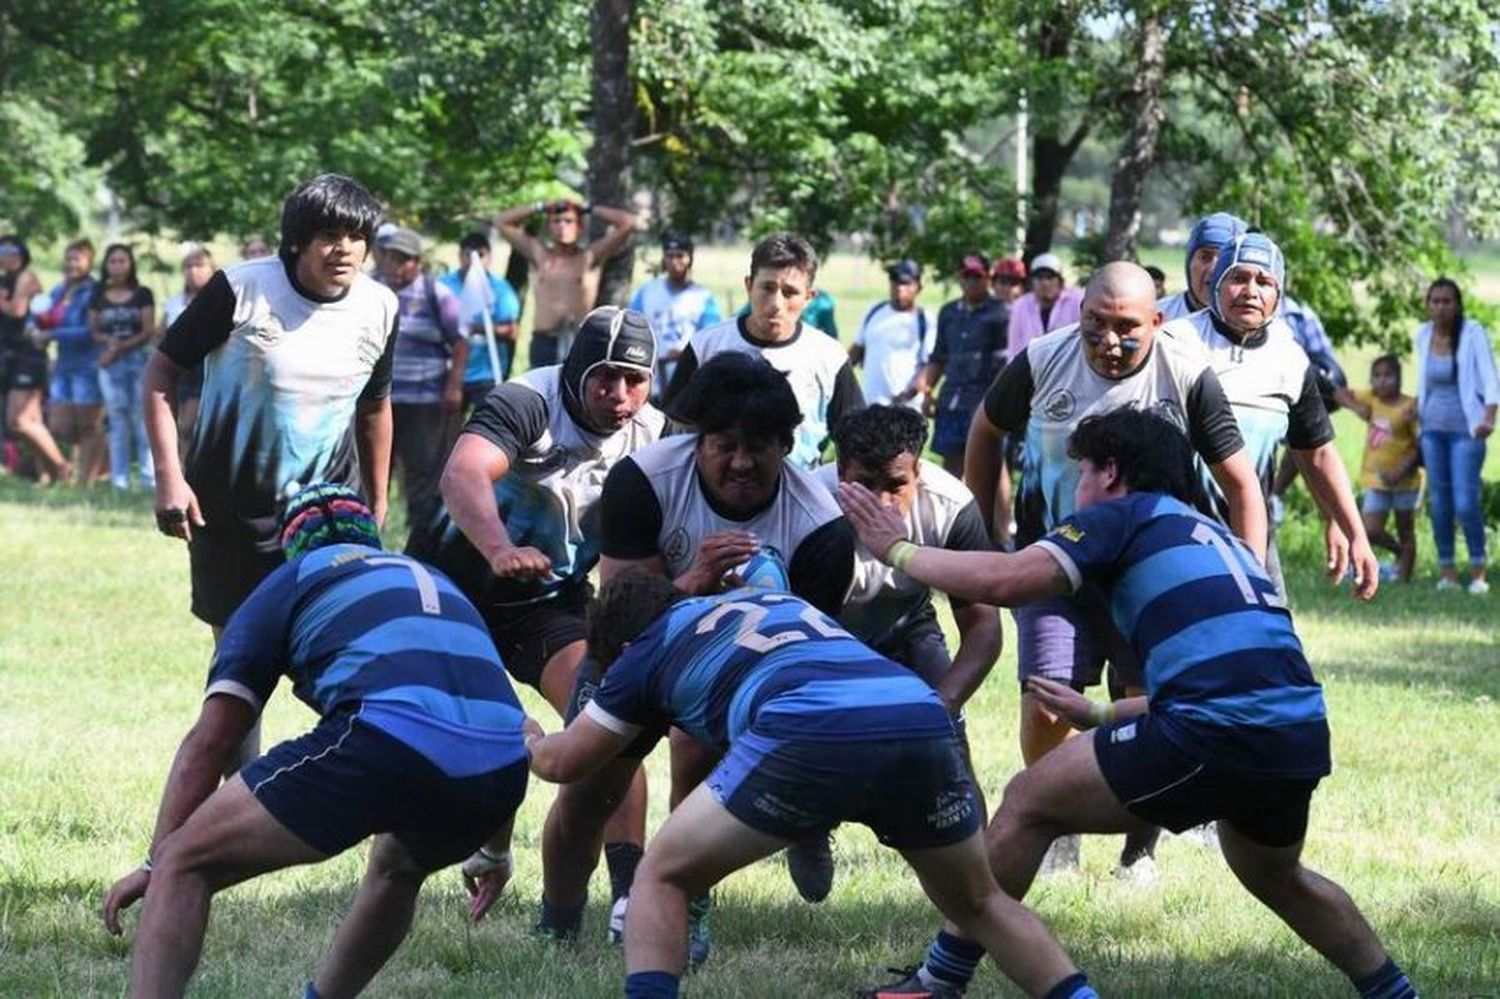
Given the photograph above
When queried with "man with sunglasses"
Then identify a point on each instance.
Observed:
(567, 272)
(1115, 356)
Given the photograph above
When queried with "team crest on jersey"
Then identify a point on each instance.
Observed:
(1059, 406)
(266, 331)
(369, 348)
(674, 548)
(1069, 532)
(1169, 410)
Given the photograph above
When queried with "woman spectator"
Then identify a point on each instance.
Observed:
(197, 268)
(77, 404)
(1457, 392)
(23, 359)
(122, 316)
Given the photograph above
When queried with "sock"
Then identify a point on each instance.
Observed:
(622, 859)
(1075, 986)
(650, 985)
(562, 921)
(1388, 982)
(951, 960)
(310, 992)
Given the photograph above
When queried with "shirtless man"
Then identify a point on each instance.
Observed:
(567, 273)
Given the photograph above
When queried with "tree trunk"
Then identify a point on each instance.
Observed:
(614, 126)
(1050, 152)
(1131, 167)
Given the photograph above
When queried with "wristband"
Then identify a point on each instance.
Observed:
(900, 554)
(494, 858)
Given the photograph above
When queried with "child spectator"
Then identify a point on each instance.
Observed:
(1390, 471)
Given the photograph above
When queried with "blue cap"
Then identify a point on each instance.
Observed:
(1212, 230)
(1254, 249)
(903, 271)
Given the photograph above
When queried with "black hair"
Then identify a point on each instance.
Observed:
(1458, 299)
(20, 244)
(328, 202)
(1157, 274)
(131, 279)
(785, 249)
(625, 607)
(735, 390)
(1388, 359)
(475, 241)
(1151, 452)
(877, 435)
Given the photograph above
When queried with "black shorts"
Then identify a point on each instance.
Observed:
(530, 635)
(1160, 783)
(23, 371)
(226, 568)
(346, 780)
(914, 794)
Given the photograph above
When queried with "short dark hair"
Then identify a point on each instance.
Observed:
(625, 607)
(1391, 360)
(785, 249)
(1157, 274)
(877, 435)
(1151, 452)
(11, 239)
(735, 390)
(329, 201)
(82, 244)
(475, 241)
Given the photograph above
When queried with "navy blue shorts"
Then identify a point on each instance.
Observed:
(913, 793)
(1160, 783)
(346, 780)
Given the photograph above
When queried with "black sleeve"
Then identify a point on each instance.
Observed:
(379, 385)
(687, 366)
(203, 326)
(848, 397)
(822, 568)
(144, 298)
(510, 417)
(1309, 425)
(1007, 404)
(1211, 425)
(944, 324)
(629, 514)
(967, 535)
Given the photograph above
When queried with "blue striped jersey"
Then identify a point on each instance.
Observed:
(356, 628)
(1224, 670)
(714, 666)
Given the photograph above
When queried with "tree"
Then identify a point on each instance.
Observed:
(613, 114)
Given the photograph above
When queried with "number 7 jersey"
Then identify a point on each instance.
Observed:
(1224, 669)
(719, 666)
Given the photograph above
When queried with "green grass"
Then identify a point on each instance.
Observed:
(101, 668)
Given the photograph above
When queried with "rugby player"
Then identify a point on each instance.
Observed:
(1274, 392)
(1208, 236)
(1116, 355)
(1232, 726)
(419, 743)
(693, 508)
(519, 529)
(783, 269)
(816, 729)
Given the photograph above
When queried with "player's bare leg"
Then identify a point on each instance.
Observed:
(377, 922)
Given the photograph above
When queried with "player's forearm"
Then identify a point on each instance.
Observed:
(196, 769)
(995, 578)
(978, 647)
(614, 216)
(372, 438)
(513, 217)
(927, 377)
(1329, 483)
(158, 393)
(557, 760)
(982, 465)
(469, 495)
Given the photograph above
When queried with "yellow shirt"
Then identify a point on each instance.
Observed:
(1390, 442)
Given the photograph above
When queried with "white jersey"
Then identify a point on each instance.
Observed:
(883, 599)
(896, 344)
(675, 315)
(812, 362)
(1175, 306)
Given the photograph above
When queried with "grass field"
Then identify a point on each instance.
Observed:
(101, 669)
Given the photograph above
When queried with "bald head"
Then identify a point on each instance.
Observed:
(1119, 320)
(1121, 280)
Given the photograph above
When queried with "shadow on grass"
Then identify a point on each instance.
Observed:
(1454, 666)
(102, 504)
(763, 946)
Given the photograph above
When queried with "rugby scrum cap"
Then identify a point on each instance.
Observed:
(326, 513)
(610, 336)
(1253, 249)
(1211, 230)
(1047, 262)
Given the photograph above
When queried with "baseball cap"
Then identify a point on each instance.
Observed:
(903, 271)
(1047, 262)
(610, 336)
(974, 263)
(401, 240)
(678, 241)
(1009, 267)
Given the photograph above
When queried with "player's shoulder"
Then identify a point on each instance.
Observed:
(724, 335)
(544, 381)
(943, 487)
(804, 490)
(648, 424)
(817, 344)
(663, 459)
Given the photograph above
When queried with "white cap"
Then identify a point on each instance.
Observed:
(1047, 262)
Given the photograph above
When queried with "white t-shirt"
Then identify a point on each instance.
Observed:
(896, 344)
